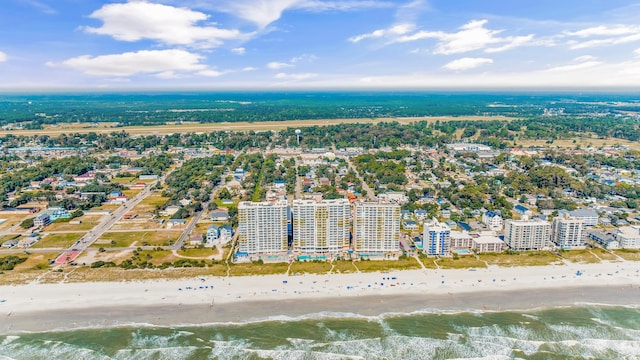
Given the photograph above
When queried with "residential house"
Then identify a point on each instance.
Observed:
(493, 220)
(213, 234)
(219, 215)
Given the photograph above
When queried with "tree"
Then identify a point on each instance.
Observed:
(27, 223)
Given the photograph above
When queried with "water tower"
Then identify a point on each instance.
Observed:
(298, 132)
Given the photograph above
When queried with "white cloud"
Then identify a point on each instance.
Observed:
(299, 76)
(395, 30)
(512, 42)
(210, 73)
(274, 65)
(304, 58)
(602, 30)
(602, 35)
(163, 63)
(581, 75)
(637, 52)
(3, 57)
(139, 20)
(239, 50)
(249, 68)
(40, 6)
(471, 36)
(576, 66)
(264, 12)
(604, 42)
(467, 63)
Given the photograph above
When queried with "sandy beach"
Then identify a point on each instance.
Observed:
(41, 307)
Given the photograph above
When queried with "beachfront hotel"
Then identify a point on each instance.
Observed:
(376, 229)
(321, 228)
(628, 237)
(436, 239)
(262, 228)
(522, 235)
(568, 232)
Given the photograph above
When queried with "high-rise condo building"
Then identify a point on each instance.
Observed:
(524, 235)
(321, 227)
(568, 232)
(376, 228)
(262, 227)
(436, 239)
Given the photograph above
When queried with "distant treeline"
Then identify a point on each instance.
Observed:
(156, 108)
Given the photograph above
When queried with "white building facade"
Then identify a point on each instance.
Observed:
(376, 228)
(568, 232)
(262, 228)
(436, 239)
(321, 227)
(629, 237)
(525, 235)
(493, 220)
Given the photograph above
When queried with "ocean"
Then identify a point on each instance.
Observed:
(585, 331)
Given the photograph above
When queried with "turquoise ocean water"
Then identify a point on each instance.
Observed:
(577, 332)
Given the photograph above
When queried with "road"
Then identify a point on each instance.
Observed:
(371, 195)
(108, 221)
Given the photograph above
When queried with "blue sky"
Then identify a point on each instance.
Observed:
(220, 44)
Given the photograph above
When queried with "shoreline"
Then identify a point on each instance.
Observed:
(221, 300)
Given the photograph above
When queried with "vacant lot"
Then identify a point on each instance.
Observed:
(204, 253)
(87, 223)
(136, 238)
(13, 220)
(137, 225)
(122, 180)
(58, 241)
(150, 204)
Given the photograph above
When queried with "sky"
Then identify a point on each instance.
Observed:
(318, 44)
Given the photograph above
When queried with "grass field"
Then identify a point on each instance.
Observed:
(343, 267)
(8, 237)
(13, 219)
(150, 203)
(628, 254)
(85, 274)
(85, 225)
(580, 256)
(386, 265)
(464, 262)
(199, 253)
(131, 193)
(604, 254)
(299, 267)
(122, 180)
(583, 142)
(539, 258)
(58, 241)
(264, 269)
(238, 126)
(136, 238)
(137, 225)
